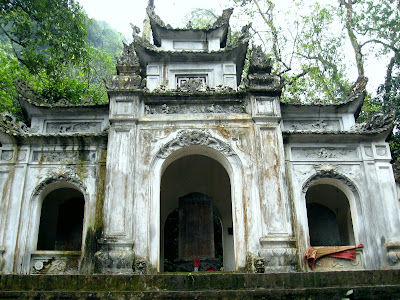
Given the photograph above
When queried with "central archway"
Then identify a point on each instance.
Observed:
(204, 175)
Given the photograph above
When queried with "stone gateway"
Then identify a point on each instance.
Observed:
(188, 159)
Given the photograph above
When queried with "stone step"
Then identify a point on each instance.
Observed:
(382, 284)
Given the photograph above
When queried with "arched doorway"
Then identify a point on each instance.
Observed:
(329, 216)
(197, 174)
(61, 220)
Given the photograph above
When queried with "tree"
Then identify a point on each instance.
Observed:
(313, 66)
(9, 71)
(200, 18)
(46, 35)
(305, 52)
(373, 26)
(57, 49)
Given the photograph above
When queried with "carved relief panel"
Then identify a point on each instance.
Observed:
(72, 127)
(312, 125)
(324, 153)
(59, 156)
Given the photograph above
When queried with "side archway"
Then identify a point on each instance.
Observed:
(329, 212)
(329, 216)
(56, 224)
(58, 211)
(61, 220)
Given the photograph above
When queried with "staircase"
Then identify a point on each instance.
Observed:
(378, 284)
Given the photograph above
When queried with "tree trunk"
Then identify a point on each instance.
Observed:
(348, 4)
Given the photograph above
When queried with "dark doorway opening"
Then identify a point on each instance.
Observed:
(61, 221)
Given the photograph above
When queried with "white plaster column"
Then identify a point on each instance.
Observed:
(116, 254)
(382, 208)
(277, 243)
(12, 184)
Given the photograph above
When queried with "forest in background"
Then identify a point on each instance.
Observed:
(64, 55)
(56, 49)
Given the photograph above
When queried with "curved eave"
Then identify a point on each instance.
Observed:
(382, 134)
(220, 32)
(31, 108)
(149, 55)
(26, 138)
(218, 29)
(352, 105)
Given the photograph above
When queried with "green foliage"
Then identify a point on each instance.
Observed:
(371, 107)
(9, 71)
(394, 144)
(322, 73)
(200, 18)
(46, 35)
(100, 35)
(378, 25)
(56, 49)
(303, 47)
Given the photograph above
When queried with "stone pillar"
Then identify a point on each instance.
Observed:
(279, 253)
(116, 248)
(116, 255)
(277, 244)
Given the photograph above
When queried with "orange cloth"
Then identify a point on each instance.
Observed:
(346, 252)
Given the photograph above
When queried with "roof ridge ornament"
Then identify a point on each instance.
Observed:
(259, 63)
(9, 125)
(221, 21)
(27, 93)
(128, 62)
(259, 77)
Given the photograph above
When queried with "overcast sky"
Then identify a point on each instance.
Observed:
(120, 13)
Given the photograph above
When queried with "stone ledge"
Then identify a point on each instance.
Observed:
(370, 292)
(202, 282)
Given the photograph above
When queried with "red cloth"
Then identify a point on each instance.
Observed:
(196, 262)
(346, 252)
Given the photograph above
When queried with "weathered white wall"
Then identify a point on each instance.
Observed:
(363, 172)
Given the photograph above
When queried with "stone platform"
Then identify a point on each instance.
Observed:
(383, 284)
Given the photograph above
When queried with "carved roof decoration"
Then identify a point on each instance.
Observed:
(351, 103)
(128, 62)
(22, 132)
(379, 121)
(258, 62)
(259, 77)
(160, 29)
(9, 125)
(125, 83)
(27, 93)
(193, 86)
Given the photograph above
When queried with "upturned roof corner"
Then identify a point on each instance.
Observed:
(160, 29)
